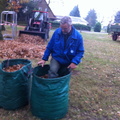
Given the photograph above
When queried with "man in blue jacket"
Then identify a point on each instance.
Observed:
(66, 48)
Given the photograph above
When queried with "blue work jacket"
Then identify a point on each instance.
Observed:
(72, 53)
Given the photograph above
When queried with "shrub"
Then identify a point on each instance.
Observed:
(1, 36)
(97, 27)
(56, 24)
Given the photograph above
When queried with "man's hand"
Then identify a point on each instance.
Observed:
(42, 62)
(72, 66)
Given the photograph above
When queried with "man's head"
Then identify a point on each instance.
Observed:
(66, 24)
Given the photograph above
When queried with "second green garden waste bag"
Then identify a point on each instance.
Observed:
(50, 96)
(14, 86)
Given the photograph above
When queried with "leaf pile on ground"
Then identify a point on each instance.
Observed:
(26, 46)
(30, 39)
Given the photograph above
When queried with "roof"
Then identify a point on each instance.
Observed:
(79, 20)
(45, 7)
(75, 20)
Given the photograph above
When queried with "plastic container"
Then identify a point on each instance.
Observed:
(50, 97)
(14, 86)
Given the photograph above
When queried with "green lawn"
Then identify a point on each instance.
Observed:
(95, 84)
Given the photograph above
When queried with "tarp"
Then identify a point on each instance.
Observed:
(14, 86)
(50, 97)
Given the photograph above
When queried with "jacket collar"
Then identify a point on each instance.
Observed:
(74, 35)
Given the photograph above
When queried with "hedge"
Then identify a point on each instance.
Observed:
(55, 25)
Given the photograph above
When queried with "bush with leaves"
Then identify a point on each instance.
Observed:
(77, 26)
(117, 17)
(3, 4)
(13, 6)
(97, 27)
(1, 36)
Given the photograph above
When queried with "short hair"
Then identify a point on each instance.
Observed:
(66, 19)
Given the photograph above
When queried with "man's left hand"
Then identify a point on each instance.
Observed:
(72, 66)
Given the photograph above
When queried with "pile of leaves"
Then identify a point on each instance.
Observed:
(26, 46)
(30, 39)
(13, 68)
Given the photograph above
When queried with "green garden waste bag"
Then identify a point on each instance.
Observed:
(50, 96)
(14, 86)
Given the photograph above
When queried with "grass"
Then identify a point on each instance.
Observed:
(95, 84)
(9, 31)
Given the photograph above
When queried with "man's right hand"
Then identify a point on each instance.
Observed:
(42, 62)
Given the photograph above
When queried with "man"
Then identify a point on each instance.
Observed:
(65, 47)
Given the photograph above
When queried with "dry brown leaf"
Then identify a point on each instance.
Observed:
(26, 46)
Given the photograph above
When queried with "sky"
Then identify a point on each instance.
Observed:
(105, 9)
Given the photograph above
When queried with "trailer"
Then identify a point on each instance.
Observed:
(114, 30)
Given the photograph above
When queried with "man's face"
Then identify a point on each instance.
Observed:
(65, 28)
